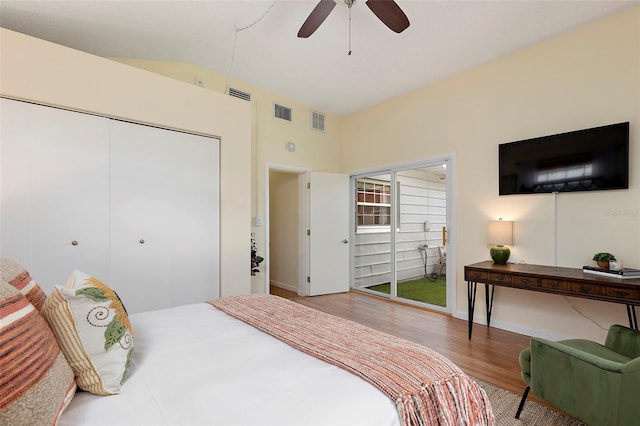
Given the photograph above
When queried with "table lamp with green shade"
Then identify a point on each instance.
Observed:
(500, 235)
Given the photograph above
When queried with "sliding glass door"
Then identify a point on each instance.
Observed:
(401, 234)
(420, 249)
(372, 248)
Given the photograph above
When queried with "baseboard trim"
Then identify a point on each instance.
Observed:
(285, 286)
(514, 328)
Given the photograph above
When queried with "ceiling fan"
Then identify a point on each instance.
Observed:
(387, 11)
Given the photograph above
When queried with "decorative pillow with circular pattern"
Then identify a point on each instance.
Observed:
(93, 329)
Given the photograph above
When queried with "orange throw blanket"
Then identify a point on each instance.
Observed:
(428, 388)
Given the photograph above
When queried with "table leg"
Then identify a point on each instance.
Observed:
(471, 295)
(489, 288)
(633, 319)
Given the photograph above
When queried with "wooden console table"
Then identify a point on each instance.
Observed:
(549, 279)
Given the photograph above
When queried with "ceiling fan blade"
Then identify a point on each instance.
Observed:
(390, 14)
(316, 18)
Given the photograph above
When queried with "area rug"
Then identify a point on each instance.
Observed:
(505, 404)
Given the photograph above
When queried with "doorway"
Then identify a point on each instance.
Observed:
(322, 211)
(285, 221)
(401, 233)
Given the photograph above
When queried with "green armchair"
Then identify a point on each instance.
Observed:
(600, 385)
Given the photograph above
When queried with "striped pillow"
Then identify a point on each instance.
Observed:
(16, 275)
(36, 383)
(93, 330)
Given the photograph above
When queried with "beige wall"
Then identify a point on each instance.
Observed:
(318, 151)
(46, 73)
(584, 78)
(283, 239)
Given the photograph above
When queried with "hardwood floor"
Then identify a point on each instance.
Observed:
(287, 294)
(491, 356)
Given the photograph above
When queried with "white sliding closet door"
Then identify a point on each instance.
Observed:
(135, 206)
(164, 216)
(55, 186)
(15, 153)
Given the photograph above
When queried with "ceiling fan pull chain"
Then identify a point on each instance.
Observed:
(387, 11)
(349, 30)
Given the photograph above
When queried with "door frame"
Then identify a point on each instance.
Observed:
(303, 224)
(450, 160)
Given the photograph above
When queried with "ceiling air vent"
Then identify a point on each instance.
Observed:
(282, 112)
(237, 93)
(317, 121)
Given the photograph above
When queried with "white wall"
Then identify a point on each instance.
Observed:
(42, 72)
(584, 78)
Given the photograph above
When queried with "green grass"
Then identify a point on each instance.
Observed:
(422, 290)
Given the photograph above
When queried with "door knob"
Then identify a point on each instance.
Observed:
(141, 241)
(345, 241)
(74, 243)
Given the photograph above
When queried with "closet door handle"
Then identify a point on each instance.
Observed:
(141, 241)
(74, 243)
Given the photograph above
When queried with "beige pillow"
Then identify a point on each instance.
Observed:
(16, 275)
(36, 382)
(93, 330)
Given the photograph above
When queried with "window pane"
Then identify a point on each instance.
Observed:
(373, 204)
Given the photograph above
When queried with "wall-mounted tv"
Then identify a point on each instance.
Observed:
(582, 160)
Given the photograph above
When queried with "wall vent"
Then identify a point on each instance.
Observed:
(317, 121)
(282, 112)
(237, 93)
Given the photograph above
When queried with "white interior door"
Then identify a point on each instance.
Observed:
(329, 224)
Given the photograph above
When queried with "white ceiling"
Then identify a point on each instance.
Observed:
(444, 38)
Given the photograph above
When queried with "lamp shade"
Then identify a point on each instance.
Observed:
(500, 232)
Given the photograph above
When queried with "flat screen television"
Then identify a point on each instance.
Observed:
(582, 160)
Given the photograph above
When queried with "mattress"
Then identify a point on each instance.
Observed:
(195, 365)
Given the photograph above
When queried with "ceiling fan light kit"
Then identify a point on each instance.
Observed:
(387, 11)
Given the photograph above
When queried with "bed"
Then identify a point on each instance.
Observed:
(262, 360)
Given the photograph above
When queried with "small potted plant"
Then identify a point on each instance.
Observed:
(603, 259)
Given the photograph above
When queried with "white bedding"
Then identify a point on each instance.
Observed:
(194, 365)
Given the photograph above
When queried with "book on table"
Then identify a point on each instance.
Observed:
(621, 273)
